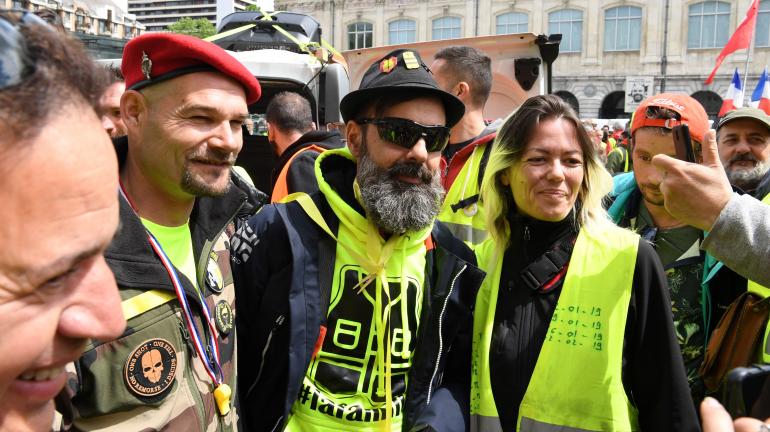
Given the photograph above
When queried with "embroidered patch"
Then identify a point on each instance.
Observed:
(223, 315)
(151, 368)
(410, 61)
(388, 64)
(214, 279)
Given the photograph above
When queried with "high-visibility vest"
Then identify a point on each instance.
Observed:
(466, 221)
(624, 153)
(577, 382)
(281, 187)
(763, 292)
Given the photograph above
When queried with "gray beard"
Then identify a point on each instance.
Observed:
(748, 180)
(396, 206)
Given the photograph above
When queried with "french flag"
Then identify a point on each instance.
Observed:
(734, 97)
(761, 96)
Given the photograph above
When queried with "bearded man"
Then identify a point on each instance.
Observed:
(743, 138)
(360, 303)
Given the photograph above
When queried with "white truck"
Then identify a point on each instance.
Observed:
(285, 51)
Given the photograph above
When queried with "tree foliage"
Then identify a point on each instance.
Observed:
(200, 27)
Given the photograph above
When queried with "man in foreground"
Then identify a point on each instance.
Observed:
(700, 289)
(59, 212)
(359, 303)
(174, 367)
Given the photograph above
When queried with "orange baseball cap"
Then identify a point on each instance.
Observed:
(690, 112)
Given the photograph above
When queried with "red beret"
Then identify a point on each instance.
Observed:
(154, 57)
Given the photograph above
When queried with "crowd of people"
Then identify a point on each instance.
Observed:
(421, 269)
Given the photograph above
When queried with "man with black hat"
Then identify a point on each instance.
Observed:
(359, 303)
(174, 366)
(743, 137)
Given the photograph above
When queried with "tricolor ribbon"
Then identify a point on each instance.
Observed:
(210, 358)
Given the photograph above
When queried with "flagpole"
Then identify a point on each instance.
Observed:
(748, 58)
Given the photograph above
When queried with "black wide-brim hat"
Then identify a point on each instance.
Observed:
(399, 71)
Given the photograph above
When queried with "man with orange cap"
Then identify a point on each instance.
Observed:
(174, 366)
(700, 288)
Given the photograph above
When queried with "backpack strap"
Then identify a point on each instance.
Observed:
(541, 273)
(482, 168)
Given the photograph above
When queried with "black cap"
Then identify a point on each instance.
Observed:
(400, 70)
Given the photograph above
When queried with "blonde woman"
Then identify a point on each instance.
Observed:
(573, 328)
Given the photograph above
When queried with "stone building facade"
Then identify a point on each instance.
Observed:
(104, 26)
(106, 18)
(604, 41)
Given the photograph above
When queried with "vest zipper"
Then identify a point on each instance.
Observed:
(440, 334)
(278, 323)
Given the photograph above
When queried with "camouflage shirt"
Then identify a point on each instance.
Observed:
(151, 378)
(679, 252)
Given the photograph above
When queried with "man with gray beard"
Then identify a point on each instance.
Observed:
(359, 303)
(743, 136)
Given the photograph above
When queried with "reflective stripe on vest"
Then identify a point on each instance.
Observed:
(467, 224)
(145, 301)
(281, 187)
(587, 327)
(624, 154)
(763, 292)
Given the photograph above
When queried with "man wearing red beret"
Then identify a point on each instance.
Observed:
(173, 368)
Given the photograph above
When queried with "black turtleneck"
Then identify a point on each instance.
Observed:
(522, 315)
(653, 372)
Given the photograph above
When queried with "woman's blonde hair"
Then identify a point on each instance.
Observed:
(507, 150)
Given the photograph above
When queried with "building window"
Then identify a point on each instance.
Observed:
(446, 28)
(17, 4)
(568, 22)
(512, 22)
(708, 25)
(402, 31)
(762, 31)
(360, 35)
(622, 28)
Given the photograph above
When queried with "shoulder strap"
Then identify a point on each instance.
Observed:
(484, 160)
(539, 274)
(482, 168)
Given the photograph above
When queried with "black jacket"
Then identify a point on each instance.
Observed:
(276, 269)
(301, 176)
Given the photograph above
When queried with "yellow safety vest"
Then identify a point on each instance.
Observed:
(466, 223)
(586, 392)
(763, 292)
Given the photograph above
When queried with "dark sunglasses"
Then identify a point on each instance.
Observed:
(13, 65)
(405, 133)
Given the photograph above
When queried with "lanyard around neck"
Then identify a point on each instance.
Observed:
(209, 357)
